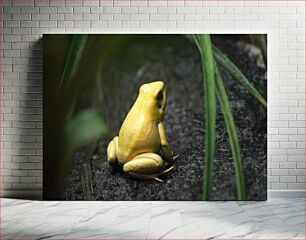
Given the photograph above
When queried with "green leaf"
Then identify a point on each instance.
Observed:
(232, 134)
(237, 74)
(75, 52)
(204, 44)
(81, 129)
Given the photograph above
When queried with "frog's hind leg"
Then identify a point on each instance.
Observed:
(112, 151)
(146, 166)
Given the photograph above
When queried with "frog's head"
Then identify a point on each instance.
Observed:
(154, 95)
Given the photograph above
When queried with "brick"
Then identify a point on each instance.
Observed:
(112, 10)
(166, 10)
(193, 3)
(91, 3)
(21, 31)
(41, 3)
(81, 24)
(7, 17)
(221, 24)
(118, 17)
(296, 186)
(11, 38)
(19, 173)
(29, 24)
(287, 116)
(64, 24)
(300, 179)
(129, 10)
(176, 17)
(122, 3)
(28, 179)
(287, 165)
(296, 158)
(6, 31)
(130, 24)
(273, 165)
(148, 24)
(11, 53)
(202, 10)
(217, 10)
(301, 144)
(11, 9)
(98, 24)
(288, 179)
(273, 179)
(47, 24)
(157, 3)
(11, 24)
(297, 138)
(23, 3)
(57, 17)
(277, 186)
(106, 17)
(10, 179)
(96, 9)
(296, 172)
(64, 10)
(48, 10)
(91, 16)
(139, 17)
(193, 17)
(73, 16)
(280, 172)
(74, 3)
(186, 10)
(79, 10)
(167, 24)
(22, 16)
(147, 9)
(40, 16)
(158, 17)
(6, 172)
(139, 3)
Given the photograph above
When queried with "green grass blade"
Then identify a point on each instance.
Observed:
(236, 73)
(73, 59)
(262, 44)
(204, 43)
(232, 134)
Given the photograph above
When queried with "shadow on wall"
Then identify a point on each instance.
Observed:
(29, 159)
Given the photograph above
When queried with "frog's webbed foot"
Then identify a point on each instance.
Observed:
(154, 176)
(112, 151)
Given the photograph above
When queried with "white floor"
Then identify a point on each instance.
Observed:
(273, 219)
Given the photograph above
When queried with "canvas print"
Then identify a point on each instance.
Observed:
(155, 117)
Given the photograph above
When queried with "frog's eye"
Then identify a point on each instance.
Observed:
(159, 96)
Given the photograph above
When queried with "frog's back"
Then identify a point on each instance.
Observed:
(138, 134)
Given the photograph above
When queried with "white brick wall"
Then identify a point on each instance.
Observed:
(24, 22)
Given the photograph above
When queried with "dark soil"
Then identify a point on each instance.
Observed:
(176, 61)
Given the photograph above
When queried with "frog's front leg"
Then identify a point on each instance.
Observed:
(112, 151)
(164, 143)
(146, 166)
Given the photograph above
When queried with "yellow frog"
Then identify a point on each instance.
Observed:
(142, 146)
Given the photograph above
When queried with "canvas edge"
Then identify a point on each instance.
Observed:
(38, 194)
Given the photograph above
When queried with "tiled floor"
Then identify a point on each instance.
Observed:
(273, 219)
